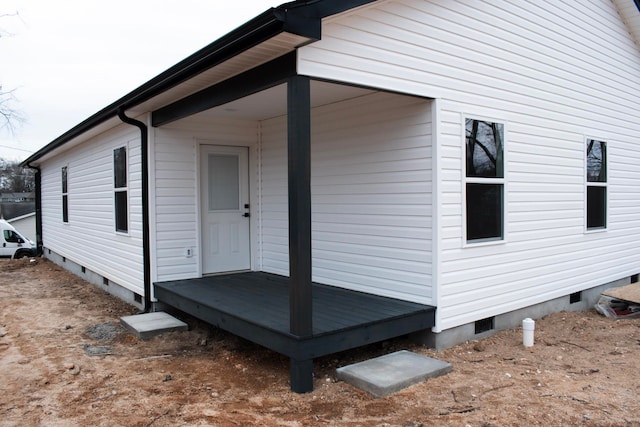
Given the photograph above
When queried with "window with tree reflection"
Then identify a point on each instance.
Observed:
(65, 195)
(596, 184)
(484, 152)
(121, 199)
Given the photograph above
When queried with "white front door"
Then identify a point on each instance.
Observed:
(224, 177)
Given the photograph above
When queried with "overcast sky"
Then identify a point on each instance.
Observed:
(67, 59)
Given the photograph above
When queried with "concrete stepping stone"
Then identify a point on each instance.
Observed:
(148, 325)
(392, 372)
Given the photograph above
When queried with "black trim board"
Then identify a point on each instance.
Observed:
(252, 81)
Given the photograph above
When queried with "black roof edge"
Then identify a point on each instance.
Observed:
(323, 8)
(297, 17)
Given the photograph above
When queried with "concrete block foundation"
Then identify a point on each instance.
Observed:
(94, 278)
(513, 319)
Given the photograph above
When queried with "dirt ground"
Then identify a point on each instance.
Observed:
(64, 361)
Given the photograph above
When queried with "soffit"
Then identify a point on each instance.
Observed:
(272, 102)
(630, 14)
(257, 55)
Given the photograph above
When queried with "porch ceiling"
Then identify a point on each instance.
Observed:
(260, 54)
(272, 102)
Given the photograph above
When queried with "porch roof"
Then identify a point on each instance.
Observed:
(273, 33)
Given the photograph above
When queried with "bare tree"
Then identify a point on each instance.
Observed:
(10, 117)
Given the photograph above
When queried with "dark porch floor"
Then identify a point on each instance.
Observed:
(255, 306)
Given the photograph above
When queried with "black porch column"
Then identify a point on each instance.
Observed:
(299, 171)
(299, 156)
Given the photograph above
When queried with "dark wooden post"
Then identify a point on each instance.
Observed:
(299, 171)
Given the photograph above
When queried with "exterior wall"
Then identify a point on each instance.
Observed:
(175, 189)
(554, 73)
(89, 238)
(371, 196)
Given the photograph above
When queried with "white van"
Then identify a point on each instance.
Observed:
(13, 244)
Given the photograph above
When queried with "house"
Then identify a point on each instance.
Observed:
(474, 160)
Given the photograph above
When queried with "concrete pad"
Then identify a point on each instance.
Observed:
(392, 372)
(149, 325)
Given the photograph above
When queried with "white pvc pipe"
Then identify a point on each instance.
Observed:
(528, 326)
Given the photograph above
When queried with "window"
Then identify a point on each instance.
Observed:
(596, 184)
(11, 236)
(484, 183)
(65, 195)
(120, 189)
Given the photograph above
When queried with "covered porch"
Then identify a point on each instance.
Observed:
(340, 193)
(255, 306)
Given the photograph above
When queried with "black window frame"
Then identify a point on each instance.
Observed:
(484, 182)
(121, 190)
(596, 183)
(65, 194)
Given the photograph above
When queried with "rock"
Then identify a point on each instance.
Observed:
(69, 366)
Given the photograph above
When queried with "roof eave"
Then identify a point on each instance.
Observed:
(261, 28)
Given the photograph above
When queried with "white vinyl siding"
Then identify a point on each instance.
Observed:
(176, 187)
(90, 239)
(555, 72)
(371, 195)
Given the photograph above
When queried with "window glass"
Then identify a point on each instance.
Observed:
(224, 182)
(596, 161)
(596, 207)
(120, 167)
(121, 211)
(64, 179)
(11, 236)
(484, 211)
(65, 208)
(484, 148)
